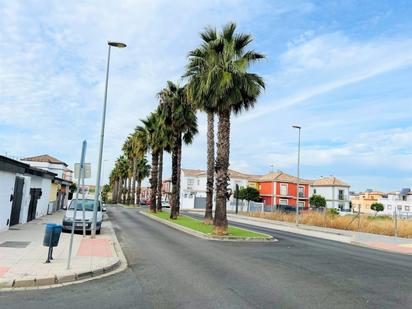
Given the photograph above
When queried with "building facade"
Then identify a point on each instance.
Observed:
(51, 164)
(334, 190)
(24, 193)
(397, 203)
(279, 190)
(193, 186)
(362, 201)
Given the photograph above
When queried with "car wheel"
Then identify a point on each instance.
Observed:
(98, 232)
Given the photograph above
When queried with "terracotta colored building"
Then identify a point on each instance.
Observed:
(280, 189)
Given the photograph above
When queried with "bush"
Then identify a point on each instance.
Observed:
(317, 201)
(333, 211)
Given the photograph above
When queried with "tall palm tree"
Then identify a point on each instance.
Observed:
(231, 88)
(142, 171)
(151, 133)
(179, 115)
(128, 152)
(200, 63)
(123, 166)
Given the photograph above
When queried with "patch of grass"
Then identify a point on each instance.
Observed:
(383, 225)
(198, 225)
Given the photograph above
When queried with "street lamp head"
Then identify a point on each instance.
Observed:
(117, 44)
(297, 127)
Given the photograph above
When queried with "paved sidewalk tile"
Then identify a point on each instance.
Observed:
(23, 256)
(95, 247)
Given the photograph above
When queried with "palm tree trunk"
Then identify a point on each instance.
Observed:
(153, 181)
(119, 191)
(134, 180)
(129, 190)
(159, 182)
(175, 192)
(124, 190)
(138, 190)
(179, 165)
(208, 219)
(222, 177)
(114, 192)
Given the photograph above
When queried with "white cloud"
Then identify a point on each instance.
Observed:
(328, 62)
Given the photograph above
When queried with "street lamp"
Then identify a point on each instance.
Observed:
(99, 164)
(297, 186)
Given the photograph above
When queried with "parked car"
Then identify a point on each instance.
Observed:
(165, 204)
(88, 207)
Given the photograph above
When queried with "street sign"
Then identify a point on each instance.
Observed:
(87, 170)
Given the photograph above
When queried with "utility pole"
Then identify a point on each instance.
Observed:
(99, 163)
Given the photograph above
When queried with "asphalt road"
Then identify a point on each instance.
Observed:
(170, 269)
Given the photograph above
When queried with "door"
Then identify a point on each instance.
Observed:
(200, 202)
(35, 194)
(17, 198)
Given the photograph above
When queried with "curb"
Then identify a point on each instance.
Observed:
(210, 237)
(54, 281)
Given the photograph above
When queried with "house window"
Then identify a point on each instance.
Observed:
(283, 189)
(399, 207)
(190, 183)
(198, 182)
(407, 208)
(340, 195)
(301, 191)
(301, 204)
(314, 191)
(340, 206)
(283, 202)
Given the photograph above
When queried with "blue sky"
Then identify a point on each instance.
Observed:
(340, 69)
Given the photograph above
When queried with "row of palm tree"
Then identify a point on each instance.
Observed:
(218, 83)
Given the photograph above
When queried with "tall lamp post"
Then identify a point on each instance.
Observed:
(99, 164)
(298, 181)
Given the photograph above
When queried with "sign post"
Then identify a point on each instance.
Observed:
(86, 174)
(81, 169)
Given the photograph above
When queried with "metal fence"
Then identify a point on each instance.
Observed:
(245, 206)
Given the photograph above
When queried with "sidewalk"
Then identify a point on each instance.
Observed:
(23, 256)
(375, 241)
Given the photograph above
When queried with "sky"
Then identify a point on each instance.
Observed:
(342, 70)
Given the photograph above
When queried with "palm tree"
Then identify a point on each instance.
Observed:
(123, 166)
(200, 63)
(179, 115)
(151, 133)
(230, 88)
(142, 171)
(128, 152)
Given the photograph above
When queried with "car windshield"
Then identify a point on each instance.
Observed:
(88, 205)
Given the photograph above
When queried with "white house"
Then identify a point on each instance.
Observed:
(334, 190)
(24, 193)
(193, 186)
(51, 164)
(399, 203)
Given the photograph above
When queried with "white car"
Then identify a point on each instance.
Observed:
(88, 210)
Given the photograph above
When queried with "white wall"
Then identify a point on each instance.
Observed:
(393, 202)
(43, 202)
(331, 193)
(199, 188)
(25, 199)
(54, 168)
(6, 189)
